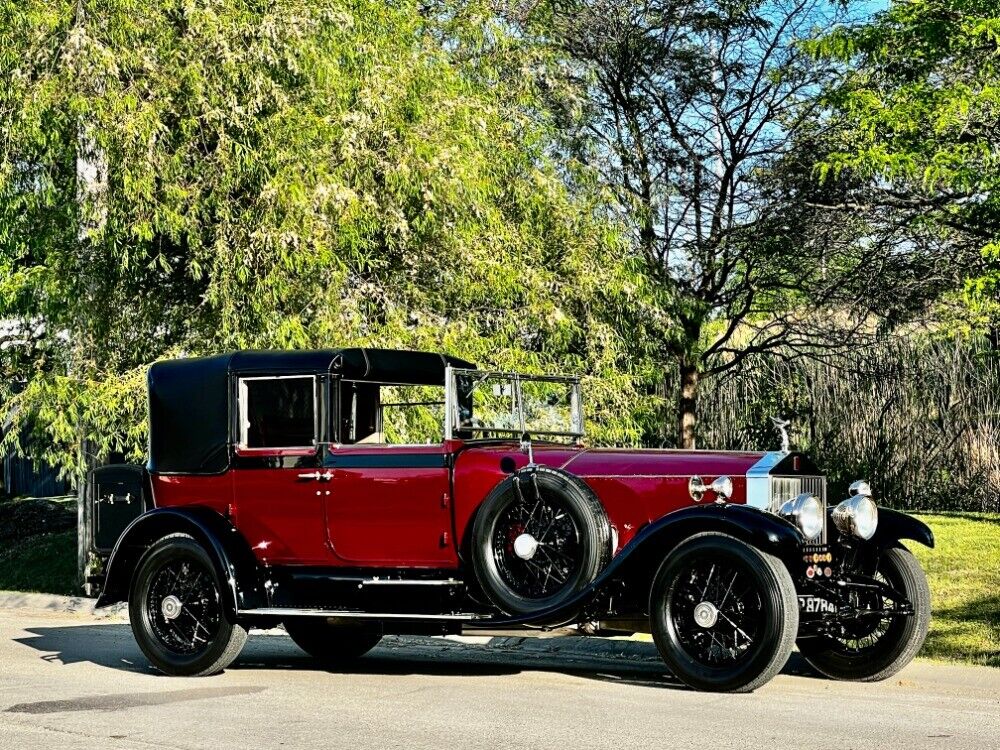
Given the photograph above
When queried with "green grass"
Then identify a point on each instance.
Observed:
(42, 562)
(964, 574)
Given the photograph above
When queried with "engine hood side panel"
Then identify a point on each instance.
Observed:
(636, 487)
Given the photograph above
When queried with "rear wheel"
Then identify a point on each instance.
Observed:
(176, 611)
(724, 615)
(334, 644)
(876, 646)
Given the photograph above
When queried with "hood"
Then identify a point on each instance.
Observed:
(652, 462)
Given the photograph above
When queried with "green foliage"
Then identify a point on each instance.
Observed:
(918, 110)
(187, 176)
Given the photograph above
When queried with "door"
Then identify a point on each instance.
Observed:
(390, 506)
(390, 502)
(278, 483)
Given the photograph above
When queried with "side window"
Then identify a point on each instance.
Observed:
(277, 412)
(391, 414)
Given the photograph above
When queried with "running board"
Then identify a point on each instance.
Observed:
(292, 612)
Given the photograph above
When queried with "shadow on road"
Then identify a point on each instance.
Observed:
(627, 663)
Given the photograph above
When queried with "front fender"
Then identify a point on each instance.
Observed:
(641, 557)
(235, 563)
(894, 525)
(756, 527)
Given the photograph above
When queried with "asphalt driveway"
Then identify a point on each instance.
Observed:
(68, 679)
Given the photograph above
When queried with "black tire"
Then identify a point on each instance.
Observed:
(882, 646)
(748, 610)
(564, 519)
(333, 644)
(199, 639)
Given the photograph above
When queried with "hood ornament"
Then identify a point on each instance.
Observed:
(782, 426)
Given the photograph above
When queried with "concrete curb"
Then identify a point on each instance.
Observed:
(76, 605)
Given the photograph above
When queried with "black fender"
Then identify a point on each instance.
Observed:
(639, 560)
(235, 563)
(894, 526)
(758, 528)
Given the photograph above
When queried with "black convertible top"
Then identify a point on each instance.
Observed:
(189, 417)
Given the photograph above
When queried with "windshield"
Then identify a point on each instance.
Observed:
(500, 404)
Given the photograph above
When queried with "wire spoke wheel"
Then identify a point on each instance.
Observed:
(715, 610)
(884, 635)
(536, 546)
(177, 613)
(183, 606)
(863, 634)
(723, 614)
(539, 537)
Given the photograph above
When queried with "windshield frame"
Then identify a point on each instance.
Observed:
(452, 402)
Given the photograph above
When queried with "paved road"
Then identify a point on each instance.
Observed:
(72, 681)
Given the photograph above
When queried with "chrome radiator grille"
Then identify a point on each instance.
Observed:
(784, 489)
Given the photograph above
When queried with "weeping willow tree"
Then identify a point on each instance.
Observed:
(186, 176)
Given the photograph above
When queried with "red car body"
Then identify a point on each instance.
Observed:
(390, 514)
(273, 494)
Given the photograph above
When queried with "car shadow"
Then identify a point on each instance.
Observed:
(616, 661)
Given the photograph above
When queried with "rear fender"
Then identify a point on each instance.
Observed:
(235, 563)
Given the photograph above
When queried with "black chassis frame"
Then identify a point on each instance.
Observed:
(441, 602)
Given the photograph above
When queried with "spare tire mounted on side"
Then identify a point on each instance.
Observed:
(539, 537)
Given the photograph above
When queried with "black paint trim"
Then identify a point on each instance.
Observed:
(389, 461)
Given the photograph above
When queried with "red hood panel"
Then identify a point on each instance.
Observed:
(635, 486)
(665, 463)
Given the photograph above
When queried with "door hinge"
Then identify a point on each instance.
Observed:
(444, 538)
(444, 499)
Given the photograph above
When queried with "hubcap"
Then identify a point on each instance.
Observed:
(536, 545)
(171, 607)
(525, 546)
(715, 610)
(706, 615)
(182, 605)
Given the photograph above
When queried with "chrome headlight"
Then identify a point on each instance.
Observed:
(857, 516)
(722, 487)
(806, 512)
(860, 487)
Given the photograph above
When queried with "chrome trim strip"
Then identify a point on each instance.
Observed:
(759, 480)
(293, 612)
(409, 582)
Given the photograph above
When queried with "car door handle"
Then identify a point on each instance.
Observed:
(326, 476)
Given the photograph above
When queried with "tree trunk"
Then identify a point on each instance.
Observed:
(687, 404)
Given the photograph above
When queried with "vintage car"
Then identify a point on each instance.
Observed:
(347, 494)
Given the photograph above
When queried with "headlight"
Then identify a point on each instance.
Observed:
(860, 487)
(723, 487)
(857, 516)
(806, 512)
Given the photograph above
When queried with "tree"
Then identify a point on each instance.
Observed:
(180, 178)
(695, 113)
(918, 122)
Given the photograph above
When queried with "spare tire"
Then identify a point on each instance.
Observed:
(539, 537)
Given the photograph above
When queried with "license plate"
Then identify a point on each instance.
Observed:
(815, 605)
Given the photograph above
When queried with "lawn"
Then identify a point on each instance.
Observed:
(964, 573)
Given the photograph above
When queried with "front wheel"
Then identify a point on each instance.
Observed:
(176, 611)
(876, 646)
(724, 615)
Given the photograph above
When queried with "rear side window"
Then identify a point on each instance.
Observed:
(277, 412)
